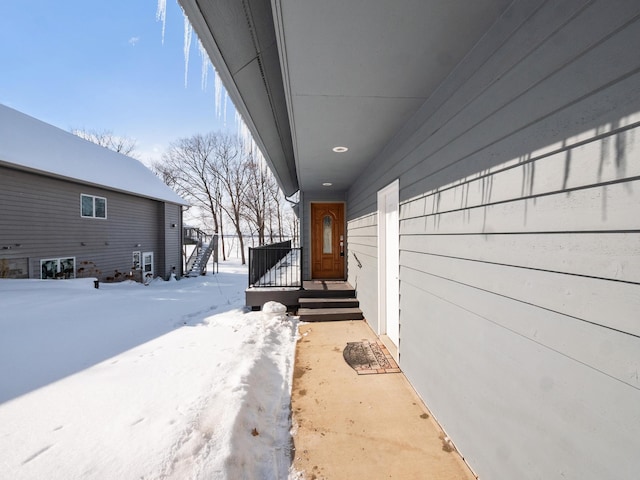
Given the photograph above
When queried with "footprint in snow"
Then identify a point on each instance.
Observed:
(37, 454)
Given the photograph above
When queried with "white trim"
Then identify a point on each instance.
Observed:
(58, 271)
(136, 260)
(146, 272)
(93, 206)
(388, 260)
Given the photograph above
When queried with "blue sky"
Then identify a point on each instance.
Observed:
(101, 65)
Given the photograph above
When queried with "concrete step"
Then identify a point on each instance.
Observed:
(346, 302)
(329, 314)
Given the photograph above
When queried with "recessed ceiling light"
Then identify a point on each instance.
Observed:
(340, 149)
(327, 184)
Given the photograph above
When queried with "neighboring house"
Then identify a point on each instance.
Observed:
(70, 208)
(491, 202)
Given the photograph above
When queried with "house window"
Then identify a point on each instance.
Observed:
(92, 206)
(136, 260)
(58, 268)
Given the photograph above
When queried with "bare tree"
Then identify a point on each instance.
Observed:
(189, 167)
(106, 138)
(292, 224)
(233, 173)
(276, 206)
(256, 200)
(264, 203)
(219, 195)
(215, 173)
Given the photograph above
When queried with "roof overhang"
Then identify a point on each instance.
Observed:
(310, 75)
(240, 40)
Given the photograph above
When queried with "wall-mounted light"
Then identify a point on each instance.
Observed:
(173, 225)
(83, 244)
(138, 244)
(106, 243)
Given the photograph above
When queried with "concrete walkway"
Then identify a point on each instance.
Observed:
(361, 426)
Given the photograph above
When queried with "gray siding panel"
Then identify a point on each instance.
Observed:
(42, 215)
(173, 239)
(532, 411)
(520, 244)
(481, 124)
(362, 264)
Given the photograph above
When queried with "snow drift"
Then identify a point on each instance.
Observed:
(174, 380)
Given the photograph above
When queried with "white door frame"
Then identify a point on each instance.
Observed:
(389, 262)
(144, 267)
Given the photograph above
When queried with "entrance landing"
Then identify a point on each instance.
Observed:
(318, 300)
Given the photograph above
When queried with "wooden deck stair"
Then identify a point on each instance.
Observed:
(328, 301)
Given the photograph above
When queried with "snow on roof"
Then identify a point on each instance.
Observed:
(31, 144)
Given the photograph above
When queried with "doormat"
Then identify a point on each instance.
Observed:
(368, 358)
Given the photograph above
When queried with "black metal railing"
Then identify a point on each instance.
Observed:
(275, 265)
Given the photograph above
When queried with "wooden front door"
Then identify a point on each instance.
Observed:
(327, 240)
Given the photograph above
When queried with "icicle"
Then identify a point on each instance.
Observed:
(205, 66)
(224, 119)
(218, 93)
(161, 15)
(238, 120)
(188, 33)
(240, 128)
(248, 145)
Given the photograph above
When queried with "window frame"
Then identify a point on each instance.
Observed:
(136, 260)
(58, 265)
(93, 206)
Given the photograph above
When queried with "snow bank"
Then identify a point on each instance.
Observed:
(274, 308)
(174, 380)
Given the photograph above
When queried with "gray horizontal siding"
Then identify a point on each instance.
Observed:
(172, 242)
(362, 264)
(567, 91)
(541, 413)
(520, 244)
(42, 215)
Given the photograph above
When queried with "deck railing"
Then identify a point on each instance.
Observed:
(197, 262)
(204, 244)
(275, 265)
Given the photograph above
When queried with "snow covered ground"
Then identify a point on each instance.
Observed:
(171, 380)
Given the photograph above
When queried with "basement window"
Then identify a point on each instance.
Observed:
(92, 206)
(56, 268)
